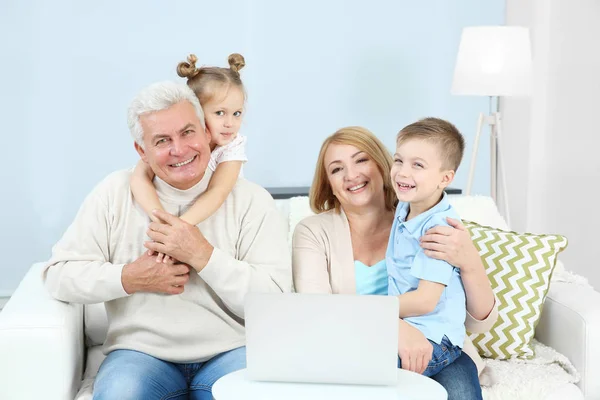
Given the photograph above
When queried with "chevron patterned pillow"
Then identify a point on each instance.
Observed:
(519, 266)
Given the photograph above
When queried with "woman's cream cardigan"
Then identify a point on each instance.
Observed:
(323, 262)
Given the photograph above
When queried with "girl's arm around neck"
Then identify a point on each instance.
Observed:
(219, 187)
(143, 189)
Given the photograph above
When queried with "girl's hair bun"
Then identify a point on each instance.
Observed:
(236, 62)
(187, 69)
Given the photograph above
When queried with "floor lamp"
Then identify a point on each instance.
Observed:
(493, 61)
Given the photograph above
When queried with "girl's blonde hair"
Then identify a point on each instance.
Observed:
(321, 196)
(206, 82)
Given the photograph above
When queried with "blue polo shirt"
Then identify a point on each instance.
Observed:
(407, 264)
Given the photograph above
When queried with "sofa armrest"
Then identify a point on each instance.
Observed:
(41, 343)
(570, 323)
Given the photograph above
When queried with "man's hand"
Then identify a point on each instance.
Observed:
(180, 240)
(147, 275)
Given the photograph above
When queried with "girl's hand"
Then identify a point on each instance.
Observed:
(414, 349)
(452, 244)
(180, 240)
(163, 258)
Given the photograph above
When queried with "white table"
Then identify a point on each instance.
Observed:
(411, 386)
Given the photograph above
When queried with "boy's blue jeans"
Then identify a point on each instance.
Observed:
(443, 355)
(131, 375)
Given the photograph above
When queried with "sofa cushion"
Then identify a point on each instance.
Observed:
(92, 365)
(95, 324)
(519, 267)
(480, 209)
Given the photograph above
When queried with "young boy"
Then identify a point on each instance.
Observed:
(430, 291)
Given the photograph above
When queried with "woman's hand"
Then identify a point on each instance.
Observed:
(414, 349)
(452, 244)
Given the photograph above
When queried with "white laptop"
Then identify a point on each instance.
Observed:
(322, 338)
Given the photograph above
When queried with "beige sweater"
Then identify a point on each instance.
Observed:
(323, 262)
(250, 254)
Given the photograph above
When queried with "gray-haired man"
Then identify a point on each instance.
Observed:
(174, 328)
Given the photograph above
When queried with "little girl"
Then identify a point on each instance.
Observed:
(221, 94)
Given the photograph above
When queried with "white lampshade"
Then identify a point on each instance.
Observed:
(493, 61)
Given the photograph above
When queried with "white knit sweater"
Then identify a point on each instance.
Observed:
(250, 254)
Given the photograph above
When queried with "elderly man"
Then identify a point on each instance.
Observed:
(174, 328)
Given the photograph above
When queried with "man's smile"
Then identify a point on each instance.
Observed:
(181, 164)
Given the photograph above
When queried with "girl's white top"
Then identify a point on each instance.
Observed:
(232, 151)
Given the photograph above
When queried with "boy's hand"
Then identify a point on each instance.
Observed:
(414, 349)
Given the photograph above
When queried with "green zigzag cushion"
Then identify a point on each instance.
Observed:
(519, 266)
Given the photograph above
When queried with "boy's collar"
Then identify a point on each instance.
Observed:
(414, 223)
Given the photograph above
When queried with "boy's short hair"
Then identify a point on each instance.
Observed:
(440, 132)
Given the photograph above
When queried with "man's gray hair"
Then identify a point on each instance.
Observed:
(157, 97)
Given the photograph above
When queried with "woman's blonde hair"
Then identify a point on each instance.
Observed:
(206, 82)
(321, 196)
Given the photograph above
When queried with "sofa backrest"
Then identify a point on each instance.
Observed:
(480, 209)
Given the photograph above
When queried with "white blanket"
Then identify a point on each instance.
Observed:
(531, 379)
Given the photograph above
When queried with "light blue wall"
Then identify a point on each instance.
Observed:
(69, 68)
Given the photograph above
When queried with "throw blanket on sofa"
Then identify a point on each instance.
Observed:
(533, 379)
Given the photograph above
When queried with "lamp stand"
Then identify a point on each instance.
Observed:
(494, 120)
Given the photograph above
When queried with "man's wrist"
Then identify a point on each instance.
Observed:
(202, 257)
(126, 279)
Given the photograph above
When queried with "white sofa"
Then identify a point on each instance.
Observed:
(51, 350)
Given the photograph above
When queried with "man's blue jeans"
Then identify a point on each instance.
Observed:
(131, 375)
